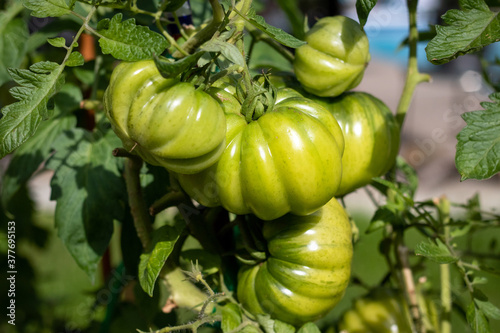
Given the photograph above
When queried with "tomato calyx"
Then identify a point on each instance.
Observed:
(258, 98)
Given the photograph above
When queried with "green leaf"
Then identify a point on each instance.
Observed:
(363, 9)
(250, 329)
(89, 190)
(171, 69)
(57, 42)
(476, 319)
(75, 59)
(295, 16)
(154, 258)
(459, 232)
(27, 158)
(488, 308)
(231, 317)
(85, 75)
(467, 30)
(281, 327)
(438, 253)
(13, 40)
(21, 119)
(309, 328)
(479, 280)
(266, 322)
(393, 186)
(274, 326)
(230, 51)
(275, 33)
(478, 147)
(49, 8)
(128, 41)
(382, 216)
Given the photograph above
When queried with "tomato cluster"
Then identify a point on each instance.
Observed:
(281, 159)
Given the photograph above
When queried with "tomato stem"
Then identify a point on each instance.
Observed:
(413, 77)
(406, 277)
(204, 34)
(170, 199)
(443, 205)
(138, 207)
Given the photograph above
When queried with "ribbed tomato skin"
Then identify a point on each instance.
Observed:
(288, 160)
(335, 57)
(371, 136)
(307, 270)
(166, 122)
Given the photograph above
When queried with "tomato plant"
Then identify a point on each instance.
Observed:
(202, 163)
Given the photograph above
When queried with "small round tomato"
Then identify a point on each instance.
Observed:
(287, 160)
(382, 312)
(164, 121)
(371, 136)
(307, 269)
(334, 58)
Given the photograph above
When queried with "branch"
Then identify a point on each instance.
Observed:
(413, 77)
(138, 207)
(205, 34)
(446, 302)
(173, 198)
(406, 275)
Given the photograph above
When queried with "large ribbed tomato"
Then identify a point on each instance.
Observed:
(288, 160)
(371, 136)
(334, 58)
(166, 122)
(307, 269)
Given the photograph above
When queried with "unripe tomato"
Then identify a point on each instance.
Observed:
(164, 121)
(288, 160)
(307, 269)
(384, 311)
(334, 58)
(371, 136)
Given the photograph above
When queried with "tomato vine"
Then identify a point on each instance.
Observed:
(221, 177)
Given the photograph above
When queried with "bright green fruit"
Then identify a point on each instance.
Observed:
(164, 121)
(307, 269)
(383, 311)
(288, 160)
(371, 136)
(334, 58)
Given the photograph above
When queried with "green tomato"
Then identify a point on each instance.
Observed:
(384, 311)
(371, 136)
(288, 160)
(307, 269)
(334, 58)
(164, 121)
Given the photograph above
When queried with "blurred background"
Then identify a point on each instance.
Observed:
(58, 295)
